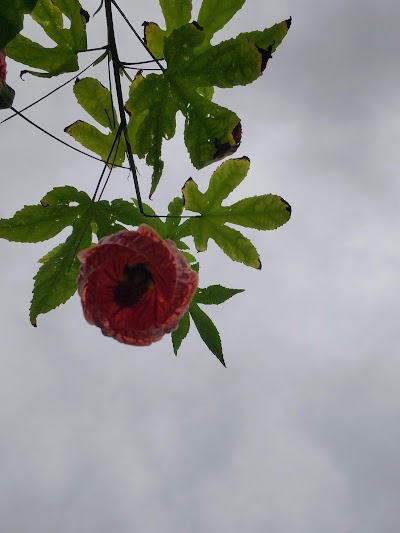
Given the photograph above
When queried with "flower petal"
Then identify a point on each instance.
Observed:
(3, 66)
(135, 286)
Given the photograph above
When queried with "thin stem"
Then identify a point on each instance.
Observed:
(111, 95)
(136, 33)
(110, 170)
(129, 63)
(51, 92)
(117, 138)
(93, 49)
(59, 140)
(135, 68)
(116, 63)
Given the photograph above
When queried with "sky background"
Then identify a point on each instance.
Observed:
(300, 433)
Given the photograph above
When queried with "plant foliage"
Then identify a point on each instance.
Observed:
(191, 67)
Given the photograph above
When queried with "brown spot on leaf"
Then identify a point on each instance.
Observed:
(237, 133)
(288, 206)
(197, 25)
(288, 22)
(265, 55)
(183, 189)
(85, 15)
(223, 150)
(145, 25)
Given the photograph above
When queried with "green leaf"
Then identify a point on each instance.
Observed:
(259, 212)
(215, 295)
(154, 39)
(194, 67)
(49, 14)
(105, 220)
(270, 37)
(12, 17)
(210, 131)
(179, 334)
(215, 14)
(66, 195)
(50, 254)
(214, 65)
(96, 100)
(207, 92)
(35, 223)
(7, 95)
(155, 103)
(224, 180)
(69, 41)
(175, 209)
(207, 330)
(189, 257)
(196, 267)
(128, 213)
(105, 146)
(236, 246)
(52, 60)
(176, 13)
(55, 281)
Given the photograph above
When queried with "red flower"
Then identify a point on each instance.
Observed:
(3, 66)
(135, 286)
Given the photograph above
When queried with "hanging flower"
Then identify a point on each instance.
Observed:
(135, 286)
(3, 66)
(6, 92)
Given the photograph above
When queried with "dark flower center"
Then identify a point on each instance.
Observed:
(136, 280)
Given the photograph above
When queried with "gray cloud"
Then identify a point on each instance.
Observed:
(299, 433)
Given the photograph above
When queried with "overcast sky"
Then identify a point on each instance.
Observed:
(300, 432)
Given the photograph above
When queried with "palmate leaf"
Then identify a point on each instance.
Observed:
(55, 281)
(11, 18)
(152, 105)
(212, 295)
(215, 295)
(194, 67)
(270, 37)
(265, 212)
(69, 41)
(207, 331)
(176, 13)
(214, 14)
(97, 102)
(128, 213)
(179, 335)
(35, 223)
(62, 207)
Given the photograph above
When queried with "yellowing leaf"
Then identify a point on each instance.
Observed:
(259, 212)
(69, 41)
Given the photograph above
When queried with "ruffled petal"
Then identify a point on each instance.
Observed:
(168, 286)
(3, 66)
